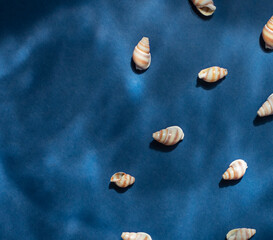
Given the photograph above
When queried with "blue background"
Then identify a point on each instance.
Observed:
(74, 112)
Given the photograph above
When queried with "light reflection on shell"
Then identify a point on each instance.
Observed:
(236, 170)
(240, 234)
(135, 236)
(169, 136)
(206, 7)
(122, 179)
(267, 108)
(268, 34)
(142, 55)
(212, 74)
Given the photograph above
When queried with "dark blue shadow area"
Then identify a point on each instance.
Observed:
(262, 45)
(262, 120)
(18, 16)
(155, 145)
(118, 189)
(225, 183)
(208, 86)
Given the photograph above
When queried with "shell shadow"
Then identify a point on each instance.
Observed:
(262, 45)
(161, 147)
(262, 120)
(118, 189)
(200, 15)
(226, 183)
(133, 66)
(208, 86)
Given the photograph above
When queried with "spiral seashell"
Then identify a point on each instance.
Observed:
(122, 179)
(236, 170)
(206, 7)
(212, 74)
(241, 234)
(267, 108)
(142, 55)
(135, 236)
(268, 34)
(169, 136)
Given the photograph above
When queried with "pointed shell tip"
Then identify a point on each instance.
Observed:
(201, 74)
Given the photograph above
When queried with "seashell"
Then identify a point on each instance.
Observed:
(268, 34)
(169, 136)
(206, 7)
(122, 179)
(212, 74)
(267, 108)
(236, 170)
(142, 55)
(241, 234)
(135, 236)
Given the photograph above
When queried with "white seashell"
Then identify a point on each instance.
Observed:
(135, 236)
(236, 170)
(122, 179)
(206, 7)
(142, 55)
(267, 108)
(268, 34)
(212, 74)
(169, 136)
(241, 234)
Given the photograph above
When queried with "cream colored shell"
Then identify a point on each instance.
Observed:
(122, 179)
(169, 136)
(135, 236)
(268, 34)
(267, 108)
(240, 234)
(212, 74)
(236, 170)
(206, 7)
(142, 55)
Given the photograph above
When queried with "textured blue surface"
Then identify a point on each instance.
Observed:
(73, 112)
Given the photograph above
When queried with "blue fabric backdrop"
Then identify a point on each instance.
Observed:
(74, 112)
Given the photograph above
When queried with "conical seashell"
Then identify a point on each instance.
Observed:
(267, 108)
(240, 234)
(142, 55)
(212, 74)
(268, 34)
(236, 170)
(206, 7)
(135, 236)
(169, 136)
(122, 179)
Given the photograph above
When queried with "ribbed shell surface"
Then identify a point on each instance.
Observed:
(212, 74)
(236, 170)
(142, 55)
(267, 108)
(122, 179)
(240, 234)
(135, 236)
(268, 34)
(202, 2)
(169, 136)
(206, 7)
